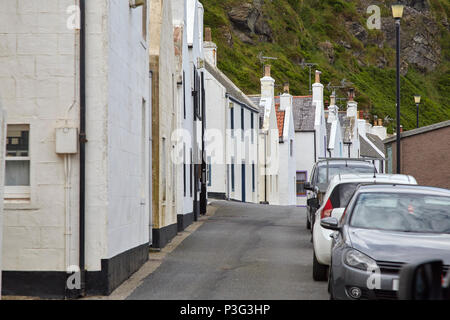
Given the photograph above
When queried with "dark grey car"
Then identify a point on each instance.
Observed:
(384, 228)
(322, 173)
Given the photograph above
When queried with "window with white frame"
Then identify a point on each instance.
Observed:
(17, 166)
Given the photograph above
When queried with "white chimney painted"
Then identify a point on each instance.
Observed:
(267, 84)
(352, 105)
(362, 127)
(285, 101)
(380, 131)
(333, 109)
(210, 48)
(318, 89)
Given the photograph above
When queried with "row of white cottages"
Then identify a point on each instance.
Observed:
(118, 125)
(272, 141)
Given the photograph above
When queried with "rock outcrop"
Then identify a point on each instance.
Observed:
(248, 20)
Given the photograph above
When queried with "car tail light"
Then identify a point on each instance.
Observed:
(326, 211)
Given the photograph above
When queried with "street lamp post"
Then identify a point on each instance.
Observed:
(397, 13)
(417, 100)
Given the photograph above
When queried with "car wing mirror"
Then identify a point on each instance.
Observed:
(307, 186)
(422, 281)
(313, 202)
(330, 223)
(337, 213)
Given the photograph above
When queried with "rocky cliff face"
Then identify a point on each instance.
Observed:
(248, 19)
(334, 34)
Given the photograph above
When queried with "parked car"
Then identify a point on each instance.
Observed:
(322, 173)
(383, 228)
(339, 193)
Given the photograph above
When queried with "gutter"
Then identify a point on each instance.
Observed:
(82, 263)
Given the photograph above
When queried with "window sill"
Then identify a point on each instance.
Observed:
(19, 206)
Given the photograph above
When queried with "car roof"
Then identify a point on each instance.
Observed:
(401, 188)
(342, 161)
(366, 177)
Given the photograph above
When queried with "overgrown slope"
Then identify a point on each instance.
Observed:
(334, 34)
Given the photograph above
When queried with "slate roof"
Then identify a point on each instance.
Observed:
(302, 108)
(376, 140)
(413, 132)
(304, 113)
(366, 150)
(230, 87)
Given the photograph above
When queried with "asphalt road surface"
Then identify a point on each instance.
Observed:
(245, 251)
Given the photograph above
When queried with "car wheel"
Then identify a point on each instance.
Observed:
(320, 271)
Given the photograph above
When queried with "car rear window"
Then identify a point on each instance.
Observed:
(342, 194)
(341, 169)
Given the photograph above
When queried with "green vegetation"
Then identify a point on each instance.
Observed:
(317, 31)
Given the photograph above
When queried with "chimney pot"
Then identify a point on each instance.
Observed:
(401, 129)
(318, 73)
(351, 94)
(286, 87)
(267, 70)
(208, 35)
(333, 100)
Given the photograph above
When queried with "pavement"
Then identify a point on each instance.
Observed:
(243, 251)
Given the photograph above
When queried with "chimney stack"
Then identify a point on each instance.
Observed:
(267, 70)
(208, 35)
(210, 48)
(318, 73)
(333, 99)
(351, 94)
(267, 84)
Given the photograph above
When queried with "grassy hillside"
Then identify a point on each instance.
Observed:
(333, 33)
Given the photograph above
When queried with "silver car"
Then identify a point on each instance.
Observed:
(384, 228)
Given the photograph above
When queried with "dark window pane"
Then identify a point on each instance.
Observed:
(17, 173)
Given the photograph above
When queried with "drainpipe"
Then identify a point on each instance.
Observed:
(82, 144)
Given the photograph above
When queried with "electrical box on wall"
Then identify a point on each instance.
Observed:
(66, 140)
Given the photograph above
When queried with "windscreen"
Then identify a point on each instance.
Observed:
(342, 169)
(402, 212)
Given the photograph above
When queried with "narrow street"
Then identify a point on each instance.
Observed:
(245, 251)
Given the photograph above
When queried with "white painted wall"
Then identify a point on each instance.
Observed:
(304, 155)
(287, 194)
(37, 83)
(129, 115)
(243, 151)
(217, 113)
(39, 86)
(185, 106)
(2, 179)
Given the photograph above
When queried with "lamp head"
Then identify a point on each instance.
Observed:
(417, 98)
(397, 10)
